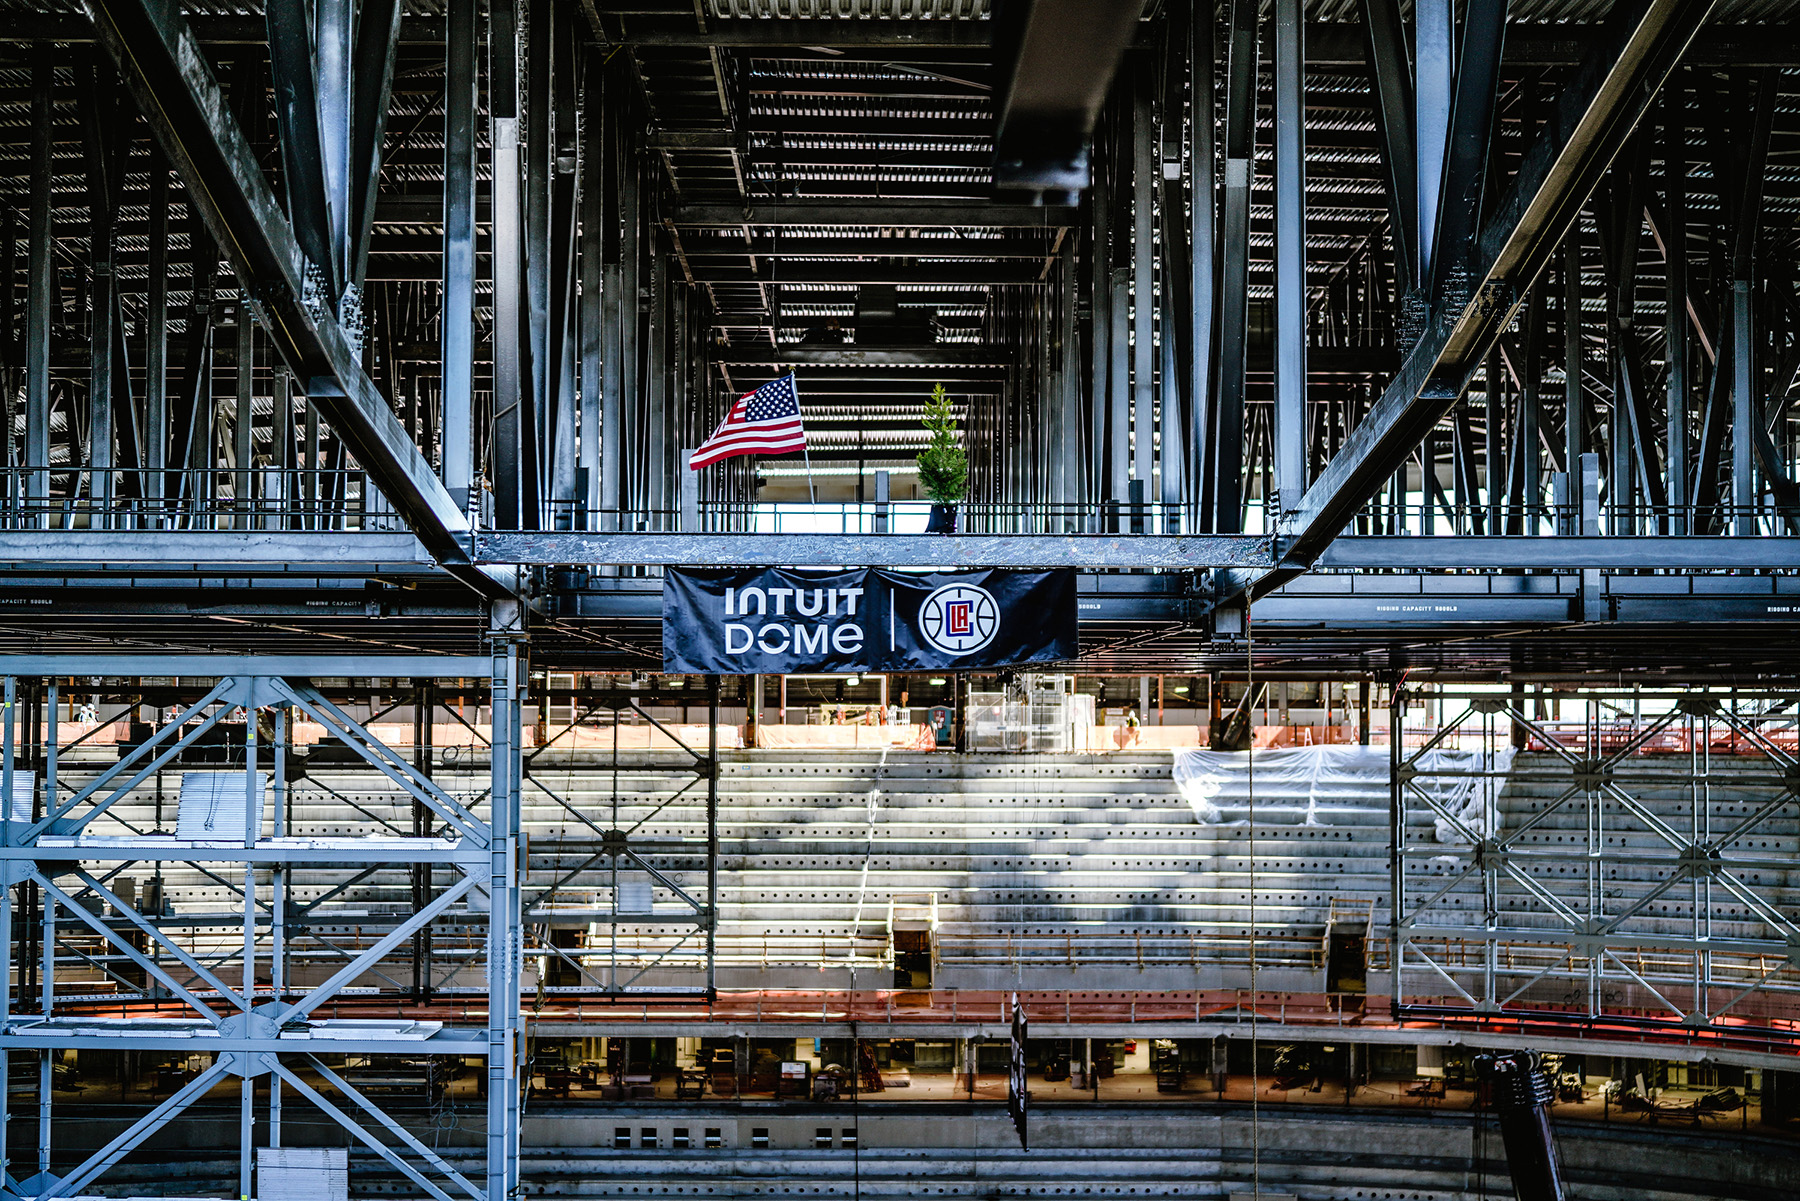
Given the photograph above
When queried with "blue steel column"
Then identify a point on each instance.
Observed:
(506, 444)
(456, 467)
(8, 723)
(156, 336)
(505, 1034)
(1202, 37)
(1290, 255)
(40, 285)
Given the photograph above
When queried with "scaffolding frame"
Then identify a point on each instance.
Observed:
(629, 837)
(1625, 915)
(267, 1028)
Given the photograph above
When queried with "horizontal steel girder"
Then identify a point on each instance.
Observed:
(303, 555)
(1564, 553)
(985, 357)
(1142, 551)
(910, 214)
(174, 86)
(226, 548)
(426, 667)
(1328, 43)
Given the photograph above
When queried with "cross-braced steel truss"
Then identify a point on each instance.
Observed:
(1616, 855)
(259, 992)
(624, 848)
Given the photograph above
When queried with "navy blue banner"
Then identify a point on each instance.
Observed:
(784, 622)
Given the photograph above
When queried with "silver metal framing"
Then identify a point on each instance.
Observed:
(643, 836)
(1612, 867)
(266, 1026)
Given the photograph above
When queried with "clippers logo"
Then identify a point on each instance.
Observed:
(959, 619)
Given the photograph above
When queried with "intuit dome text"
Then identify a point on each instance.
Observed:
(777, 621)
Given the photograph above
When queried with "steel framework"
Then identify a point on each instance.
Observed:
(1600, 853)
(634, 869)
(259, 1002)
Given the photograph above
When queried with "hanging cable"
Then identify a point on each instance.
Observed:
(1250, 795)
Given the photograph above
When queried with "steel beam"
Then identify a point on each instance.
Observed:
(1549, 553)
(456, 464)
(1174, 552)
(901, 212)
(965, 43)
(873, 271)
(156, 333)
(595, 206)
(116, 666)
(1290, 259)
(949, 354)
(40, 284)
(1057, 59)
(135, 547)
(1597, 112)
(1434, 84)
(1746, 393)
(1391, 83)
(1202, 316)
(1465, 153)
(1145, 171)
(371, 87)
(1226, 441)
(168, 75)
(506, 448)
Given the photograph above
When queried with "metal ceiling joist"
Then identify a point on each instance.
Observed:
(908, 214)
(1328, 43)
(173, 84)
(874, 270)
(951, 355)
(1596, 114)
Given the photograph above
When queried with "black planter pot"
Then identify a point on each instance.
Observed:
(943, 520)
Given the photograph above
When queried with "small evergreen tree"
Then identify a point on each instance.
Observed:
(944, 464)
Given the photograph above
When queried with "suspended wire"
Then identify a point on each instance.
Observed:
(1250, 796)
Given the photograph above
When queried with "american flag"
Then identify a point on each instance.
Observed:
(763, 422)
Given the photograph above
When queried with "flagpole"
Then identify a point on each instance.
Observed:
(812, 495)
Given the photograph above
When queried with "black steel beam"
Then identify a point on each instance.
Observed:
(1058, 58)
(168, 75)
(1329, 43)
(1224, 506)
(1596, 114)
(1466, 152)
(1391, 86)
(372, 81)
(290, 31)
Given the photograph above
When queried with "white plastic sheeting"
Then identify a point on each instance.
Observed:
(1292, 786)
(1462, 783)
(1336, 786)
